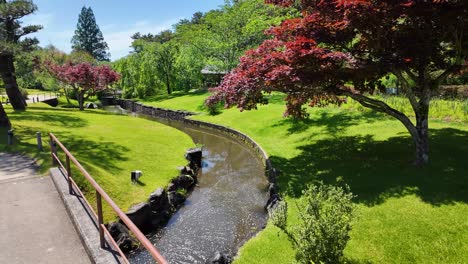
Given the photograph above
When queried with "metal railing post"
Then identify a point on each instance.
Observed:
(69, 174)
(100, 219)
(39, 141)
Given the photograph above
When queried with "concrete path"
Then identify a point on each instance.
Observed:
(34, 225)
(41, 97)
(32, 98)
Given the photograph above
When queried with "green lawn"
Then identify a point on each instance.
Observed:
(187, 101)
(108, 146)
(405, 214)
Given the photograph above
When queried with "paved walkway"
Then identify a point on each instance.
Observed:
(34, 225)
(33, 98)
(41, 97)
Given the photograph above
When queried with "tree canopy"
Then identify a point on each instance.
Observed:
(344, 47)
(173, 60)
(88, 36)
(12, 41)
(85, 78)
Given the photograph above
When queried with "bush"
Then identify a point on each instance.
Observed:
(325, 214)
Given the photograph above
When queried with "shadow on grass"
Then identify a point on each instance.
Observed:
(104, 154)
(378, 170)
(50, 116)
(334, 122)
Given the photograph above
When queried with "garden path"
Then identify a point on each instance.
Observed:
(34, 224)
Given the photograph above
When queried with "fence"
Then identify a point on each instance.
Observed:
(100, 194)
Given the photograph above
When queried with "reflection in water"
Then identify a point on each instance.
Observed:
(222, 212)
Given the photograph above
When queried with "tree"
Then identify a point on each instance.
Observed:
(12, 41)
(224, 35)
(88, 36)
(85, 78)
(163, 51)
(344, 47)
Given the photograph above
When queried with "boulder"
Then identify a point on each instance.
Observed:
(127, 243)
(91, 106)
(220, 258)
(186, 170)
(140, 214)
(121, 236)
(115, 229)
(176, 199)
(160, 218)
(171, 187)
(194, 155)
(272, 189)
(273, 202)
(158, 200)
(183, 182)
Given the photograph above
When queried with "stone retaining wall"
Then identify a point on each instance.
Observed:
(140, 108)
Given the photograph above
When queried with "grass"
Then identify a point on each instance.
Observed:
(192, 102)
(449, 110)
(108, 146)
(406, 214)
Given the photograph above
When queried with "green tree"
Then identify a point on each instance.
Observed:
(88, 36)
(12, 42)
(222, 36)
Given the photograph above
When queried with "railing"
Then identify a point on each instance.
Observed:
(100, 193)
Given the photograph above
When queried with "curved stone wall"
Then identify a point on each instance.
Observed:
(158, 112)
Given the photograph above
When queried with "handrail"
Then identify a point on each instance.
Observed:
(100, 193)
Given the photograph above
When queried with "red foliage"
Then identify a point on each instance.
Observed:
(338, 42)
(84, 75)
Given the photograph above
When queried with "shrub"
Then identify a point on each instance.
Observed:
(325, 221)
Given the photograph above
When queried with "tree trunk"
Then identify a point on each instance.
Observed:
(4, 121)
(419, 133)
(7, 70)
(422, 134)
(81, 100)
(168, 85)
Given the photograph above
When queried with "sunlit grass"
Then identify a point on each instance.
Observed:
(406, 214)
(450, 110)
(108, 146)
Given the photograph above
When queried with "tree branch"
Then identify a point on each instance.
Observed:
(382, 107)
(406, 87)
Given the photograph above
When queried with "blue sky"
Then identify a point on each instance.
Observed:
(117, 19)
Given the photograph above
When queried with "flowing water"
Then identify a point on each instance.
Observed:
(225, 209)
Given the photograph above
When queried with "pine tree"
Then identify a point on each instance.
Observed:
(88, 36)
(12, 41)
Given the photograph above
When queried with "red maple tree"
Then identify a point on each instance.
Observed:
(343, 47)
(85, 78)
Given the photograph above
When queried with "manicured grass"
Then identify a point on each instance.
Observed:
(108, 146)
(405, 214)
(193, 102)
(449, 110)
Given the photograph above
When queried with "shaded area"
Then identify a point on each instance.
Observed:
(333, 122)
(50, 116)
(377, 170)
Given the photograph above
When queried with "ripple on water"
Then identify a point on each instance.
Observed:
(222, 212)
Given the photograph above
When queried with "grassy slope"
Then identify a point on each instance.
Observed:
(406, 214)
(108, 146)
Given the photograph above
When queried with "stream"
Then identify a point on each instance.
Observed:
(224, 210)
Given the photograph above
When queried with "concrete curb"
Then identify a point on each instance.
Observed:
(84, 222)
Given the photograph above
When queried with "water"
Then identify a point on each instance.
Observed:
(223, 211)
